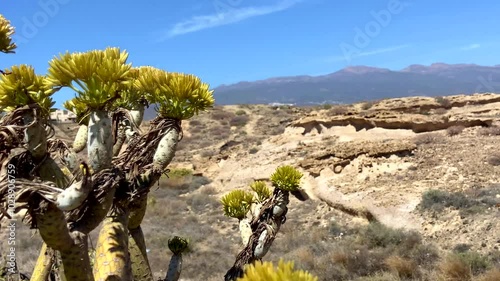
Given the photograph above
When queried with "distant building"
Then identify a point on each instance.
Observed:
(62, 116)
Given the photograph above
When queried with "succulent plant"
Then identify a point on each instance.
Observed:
(22, 87)
(266, 271)
(286, 178)
(236, 203)
(65, 202)
(6, 32)
(260, 188)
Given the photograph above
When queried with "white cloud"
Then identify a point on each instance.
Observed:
(471, 47)
(366, 53)
(229, 16)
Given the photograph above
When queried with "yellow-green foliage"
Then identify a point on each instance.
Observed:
(178, 245)
(183, 96)
(22, 87)
(79, 109)
(99, 75)
(286, 178)
(6, 32)
(132, 96)
(236, 203)
(179, 95)
(260, 188)
(266, 271)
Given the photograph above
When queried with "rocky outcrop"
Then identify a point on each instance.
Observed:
(418, 123)
(413, 113)
(422, 104)
(336, 157)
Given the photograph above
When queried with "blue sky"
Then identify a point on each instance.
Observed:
(227, 41)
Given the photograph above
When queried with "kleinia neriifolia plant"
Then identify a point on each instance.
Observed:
(66, 194)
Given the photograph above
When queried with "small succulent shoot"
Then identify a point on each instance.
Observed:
(286, 178)
(73, 196)
(266, 271)
(180, 96)
(260, 188)
(6, 32)
(23, 87)
(236, 203)
(178, 245)
(79, 109)
(96, 76)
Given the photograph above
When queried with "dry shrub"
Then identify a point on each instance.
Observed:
(239, 121)
(240, 112)
(338, 110)
(208, 190)
(195, 123)
(455, 268)
(444, 102)
(428, 138)
(221, 115)
(402, 267)
(200, 203)
(305, 255)
(489, 131)
(491, 275)
(454, 130)
(382, 276)
(367, 105)
(463, 266)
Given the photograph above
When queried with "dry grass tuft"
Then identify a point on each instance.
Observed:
(454, 268)
(403, 268)
(338, 110)
(428, 138)
(491, 275)
(489, 131)
(454, 130)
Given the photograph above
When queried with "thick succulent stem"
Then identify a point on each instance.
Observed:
(52, 225)
(245, 230)
(74, 195)
(35, 136)
(264, 229)
(70, 161)
(141, 269)
(50, 171)
(95, 213)
(137, 210)
(174, 268)
(137, 115)
(43, 264)
(100, 141)
(165, 151)
(112, 259)
(81, 138)
(76, 260)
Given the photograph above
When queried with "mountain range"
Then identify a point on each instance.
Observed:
(361, 83)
